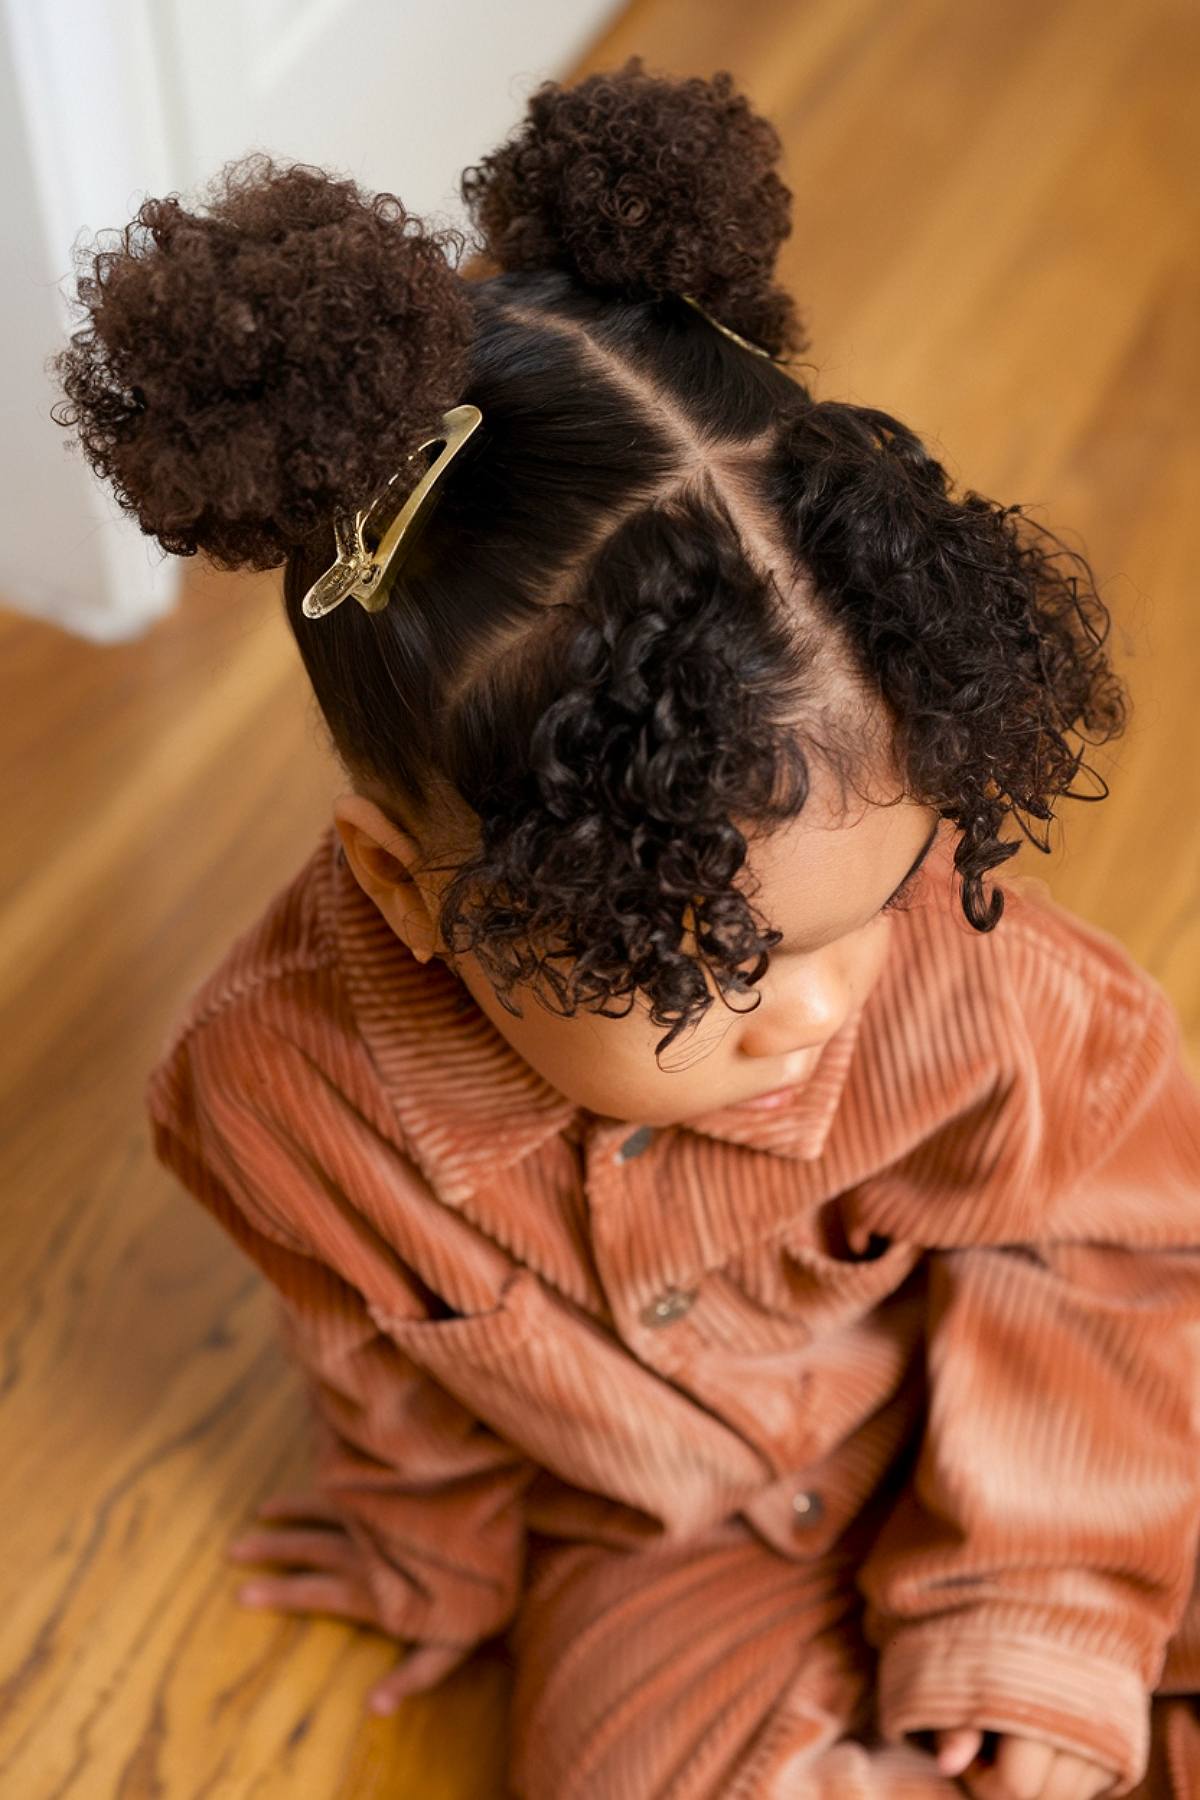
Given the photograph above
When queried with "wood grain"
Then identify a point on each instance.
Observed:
(995, 237)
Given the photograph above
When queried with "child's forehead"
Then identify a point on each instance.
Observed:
(827, 872)
(851, 805)
(824, 845)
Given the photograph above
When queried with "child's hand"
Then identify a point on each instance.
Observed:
(333, 1584)
(1024, 1769)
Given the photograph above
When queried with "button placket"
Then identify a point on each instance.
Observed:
(672, 1303)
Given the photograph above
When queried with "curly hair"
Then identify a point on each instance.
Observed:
(583, 647)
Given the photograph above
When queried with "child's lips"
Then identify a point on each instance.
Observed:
(776, 1097)
(805, 1062)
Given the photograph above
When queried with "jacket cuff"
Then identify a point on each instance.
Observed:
(934, 1677)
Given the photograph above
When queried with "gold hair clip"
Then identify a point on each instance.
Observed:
(744, 342)
(367, 573)
(364, 572)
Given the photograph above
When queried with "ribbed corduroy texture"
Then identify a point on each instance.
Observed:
(952, 1294)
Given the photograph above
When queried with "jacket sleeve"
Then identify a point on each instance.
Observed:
(432, 1500)
(1031, 1575)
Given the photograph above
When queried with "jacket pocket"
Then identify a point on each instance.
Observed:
(470, 1354)
(835, 1283)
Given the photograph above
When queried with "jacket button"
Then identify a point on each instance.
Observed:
(640, 1140)
(808, 1508)
(667, 1306)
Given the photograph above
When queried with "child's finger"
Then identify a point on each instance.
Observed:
(423, 1667)
(306, 1594)
(1022, 1765)
(955, 1749)
(1074, 1778)
(318, 1549)
(308, 1505)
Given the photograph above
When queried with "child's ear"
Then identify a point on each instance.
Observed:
(383, 855)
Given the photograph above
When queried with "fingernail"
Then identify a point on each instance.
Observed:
(251, 1596)
(384, 1703)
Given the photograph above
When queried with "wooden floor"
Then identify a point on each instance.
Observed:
(995, 237)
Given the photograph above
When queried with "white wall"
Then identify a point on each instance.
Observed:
(104, 102)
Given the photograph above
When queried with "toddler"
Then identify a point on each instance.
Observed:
(810, 1405)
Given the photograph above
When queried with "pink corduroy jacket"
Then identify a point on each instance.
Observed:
(957, 1280)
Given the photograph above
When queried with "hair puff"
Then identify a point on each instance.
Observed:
(245, 373)
(647, 186)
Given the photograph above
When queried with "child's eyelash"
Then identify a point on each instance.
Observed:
(903, 894)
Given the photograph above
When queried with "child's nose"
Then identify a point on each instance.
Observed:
(802, 1006)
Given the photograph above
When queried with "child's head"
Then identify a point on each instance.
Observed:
(675, 638)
